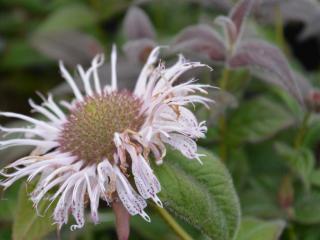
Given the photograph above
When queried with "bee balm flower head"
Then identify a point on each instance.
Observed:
(98, 145)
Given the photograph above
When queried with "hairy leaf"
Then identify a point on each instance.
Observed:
(268, 62)
(257, 120)
(239, 12)
(201, 39)
(229, 31)
(256, 229)
(137, 25)
(27, 224)
(203, 195)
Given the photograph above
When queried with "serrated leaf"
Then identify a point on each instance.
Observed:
(257, 120)
(74, 16)
(301, 161)
(203, 195)
(255, 229)
(27, 224)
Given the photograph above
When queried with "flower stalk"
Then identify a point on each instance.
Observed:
(222, 124)
(183, 235)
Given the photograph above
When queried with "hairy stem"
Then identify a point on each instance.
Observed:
(183, 235)
(222, 124)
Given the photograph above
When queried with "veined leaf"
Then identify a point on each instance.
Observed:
(257, 120)
(255, 229)
(203, 195)
(27, 223)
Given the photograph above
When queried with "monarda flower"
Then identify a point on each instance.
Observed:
(98, 146)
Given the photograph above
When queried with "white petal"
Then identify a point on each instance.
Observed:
(113, 68)
(147, 69)
(66, 75)
(129, 198)
(184, 144)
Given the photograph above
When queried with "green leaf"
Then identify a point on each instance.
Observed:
(202, 195)
(257, 120)
(312, 135)
(8, 202)
(255, 229)
(20, 54)
(307, 208)
(315, 177)
(238, 166)
(74, 16)
(301, 161)
(27, 224)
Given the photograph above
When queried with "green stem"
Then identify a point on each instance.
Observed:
(302, 131)
(223, 84)
(291, 233)
(183, 235)
(222, 124)
(279, 30)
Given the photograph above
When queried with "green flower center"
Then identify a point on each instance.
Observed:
(89, 132)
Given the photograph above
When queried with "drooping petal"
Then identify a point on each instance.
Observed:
(129, 198)
(185, 145)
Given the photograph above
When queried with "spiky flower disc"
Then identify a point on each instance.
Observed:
(90, 128)
(104, 136)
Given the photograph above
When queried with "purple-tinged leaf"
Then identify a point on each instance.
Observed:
(292, 10)
(71, 47)
(122, 220)
(268, 60)
(230, 31)
(137, 25)
(138, 50)
(201, 39)
(239, 12)
(204, 48)
(202, 31)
